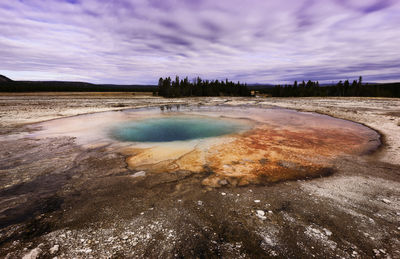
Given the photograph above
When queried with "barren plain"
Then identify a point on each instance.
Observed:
(65, 200)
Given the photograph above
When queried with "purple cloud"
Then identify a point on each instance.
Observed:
(125, 41)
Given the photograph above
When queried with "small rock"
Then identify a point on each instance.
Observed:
(354, 254)
(54, 249)
(316, 231)
(383, 251)
(139, 174)
(260, 212)
(125, 237)
(376, 252)
(270, 212)
(33, 254)
(238, 194)
(328, 232)
(386, 201)
(223, 194)
(223, 182)
(200, 203)
(257, 201)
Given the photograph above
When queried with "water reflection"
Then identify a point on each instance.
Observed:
(169, 107)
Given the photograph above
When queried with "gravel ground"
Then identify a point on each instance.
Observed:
(59, 199)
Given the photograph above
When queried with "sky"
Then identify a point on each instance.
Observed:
(253, 41)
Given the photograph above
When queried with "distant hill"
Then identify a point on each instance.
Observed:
(4, 79)
(8, 85)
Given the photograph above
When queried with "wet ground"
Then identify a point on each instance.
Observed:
(62, 199)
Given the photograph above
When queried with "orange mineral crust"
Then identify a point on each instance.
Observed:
(271, 151)
(270, 155)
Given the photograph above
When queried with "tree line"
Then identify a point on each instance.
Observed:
(198, 87)
(342, 88)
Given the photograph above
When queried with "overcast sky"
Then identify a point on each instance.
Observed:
(254, 41)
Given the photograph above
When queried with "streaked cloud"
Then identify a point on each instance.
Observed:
(125, 41)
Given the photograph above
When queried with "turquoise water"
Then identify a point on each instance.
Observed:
(175, 129)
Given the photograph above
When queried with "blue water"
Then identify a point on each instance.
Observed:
(175, 129)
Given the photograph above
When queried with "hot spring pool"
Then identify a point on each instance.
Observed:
(239, 145)
(175, 129)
